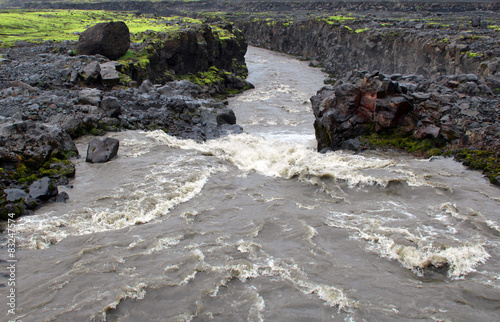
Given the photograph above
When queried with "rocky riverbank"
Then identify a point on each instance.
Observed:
(50, 95)
(452, 115)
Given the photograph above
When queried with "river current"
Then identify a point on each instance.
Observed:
(260, 227)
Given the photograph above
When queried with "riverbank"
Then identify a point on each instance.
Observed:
(173, 78)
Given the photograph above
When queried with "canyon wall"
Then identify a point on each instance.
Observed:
(342, 48)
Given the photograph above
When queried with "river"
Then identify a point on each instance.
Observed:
(260, 227)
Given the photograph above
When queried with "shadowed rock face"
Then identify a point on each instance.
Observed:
(111, 39)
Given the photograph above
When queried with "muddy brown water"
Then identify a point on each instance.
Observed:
(261, 227)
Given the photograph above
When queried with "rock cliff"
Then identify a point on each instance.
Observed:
(374, 45)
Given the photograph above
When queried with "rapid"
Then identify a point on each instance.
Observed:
(260, 227)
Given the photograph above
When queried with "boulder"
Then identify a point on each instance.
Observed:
(89, 96)
(102, 150)
(226, 116)
(92, 72)
(111, 106)
(15, 194)
(109, 73)
(43, 189)
(146, 87)
(110, 39)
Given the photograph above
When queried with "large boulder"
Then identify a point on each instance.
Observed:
(102, 150)
(110, 39)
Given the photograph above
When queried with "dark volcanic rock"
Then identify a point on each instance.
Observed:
(15, 194)
(43, 189)
(111, 106)
(102, 150)
(226, 116)
(30, 140)
(111, 39)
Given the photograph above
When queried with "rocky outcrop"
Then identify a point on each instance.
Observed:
(197, 50)
(453, 114)
(102, 150)
(110, 39)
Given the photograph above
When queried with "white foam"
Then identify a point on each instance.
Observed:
(134, 202)
(418, 246)
(284, 159)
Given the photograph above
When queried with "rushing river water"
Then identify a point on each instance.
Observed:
(259, 226)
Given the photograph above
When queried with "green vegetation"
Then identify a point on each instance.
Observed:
(212, 76)
(488, 161)
(336, 19)
(348, 28)
(29, 170)
(399, 139)
(138, 58)
(358, 31)
(59, 25)
(471, 54)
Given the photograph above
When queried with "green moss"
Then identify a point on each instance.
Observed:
(361, 30)
(336, 19)
(26, 171)
(471, 54)
(488, 161)
(399, 139)
(212, 76)
(348, 28)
